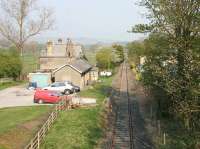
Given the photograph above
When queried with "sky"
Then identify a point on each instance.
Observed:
(95, 19)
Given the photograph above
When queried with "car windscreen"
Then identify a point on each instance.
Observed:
(61, 84)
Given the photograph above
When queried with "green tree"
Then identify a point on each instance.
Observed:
(10, 64)
(179, 21)
(119, 51)
(105, 58)
(135, 51)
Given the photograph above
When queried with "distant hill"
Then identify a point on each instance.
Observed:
(83, 40)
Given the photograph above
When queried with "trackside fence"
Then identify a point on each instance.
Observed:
(64, 104)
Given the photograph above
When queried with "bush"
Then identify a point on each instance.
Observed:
(105, 59)
(10, 64)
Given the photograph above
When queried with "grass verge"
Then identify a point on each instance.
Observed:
(80, 128)
(10, 84)
(18, 125)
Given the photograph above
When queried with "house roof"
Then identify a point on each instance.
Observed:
(80, 66)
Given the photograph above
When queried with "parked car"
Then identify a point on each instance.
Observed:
(62, 87)
(47, 96)
(75, 87)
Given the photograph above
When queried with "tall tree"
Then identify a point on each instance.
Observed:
(105, 58)
(119, 50)
(179, 21)
(23, 19)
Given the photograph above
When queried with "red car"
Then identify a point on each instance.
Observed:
(47, 96)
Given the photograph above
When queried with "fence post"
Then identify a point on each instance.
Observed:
(38, 139)
(32, 144)
(56, 108)
(52, 117)
(68, 105)
(159, 128)
(43, 130)
(65, 104)
(48, 124)
(164, 138)
(61, 106)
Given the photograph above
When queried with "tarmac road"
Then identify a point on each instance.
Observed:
(16, 96)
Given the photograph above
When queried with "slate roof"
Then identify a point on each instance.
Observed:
(79, 65)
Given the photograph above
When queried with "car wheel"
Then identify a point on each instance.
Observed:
(40, 101)
(67, 92)
(34, 101)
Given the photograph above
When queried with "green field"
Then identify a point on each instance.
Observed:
(18, 125)
(80, 128)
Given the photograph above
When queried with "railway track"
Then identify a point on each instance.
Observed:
(125, 135)
(123, 130)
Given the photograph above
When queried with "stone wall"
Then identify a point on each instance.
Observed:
(69, 74)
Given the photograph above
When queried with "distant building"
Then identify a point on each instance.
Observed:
(57, 54)
(64, 61)
(77, 71)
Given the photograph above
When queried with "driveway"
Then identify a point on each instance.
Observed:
(16, 96)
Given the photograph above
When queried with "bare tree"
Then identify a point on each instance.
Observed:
(22, 19)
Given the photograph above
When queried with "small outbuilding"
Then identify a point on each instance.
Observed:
(94, 73)
(41, 79)
(77, 71)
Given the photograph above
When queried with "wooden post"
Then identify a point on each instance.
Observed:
(38, 139)
(43, 130)
(159, 128)
(52, 117)
(32, 144)
(164, 138)
(56, 108)
(151, 111)
(60, 106)
(48, 124)
(65, 104)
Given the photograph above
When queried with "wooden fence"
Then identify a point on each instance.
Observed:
(64, 104)
(5, 80)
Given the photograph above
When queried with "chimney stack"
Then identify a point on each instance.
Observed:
(60, 41)
(49, 48)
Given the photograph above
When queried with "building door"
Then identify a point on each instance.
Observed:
(40, 79)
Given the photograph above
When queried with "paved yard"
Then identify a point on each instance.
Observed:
(16, 96)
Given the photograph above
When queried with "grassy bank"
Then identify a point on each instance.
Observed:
(10, 84)
(18, 125)
(80, 128)
(177, 136)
